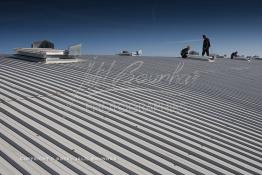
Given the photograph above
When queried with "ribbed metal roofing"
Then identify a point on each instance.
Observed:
(131, 115)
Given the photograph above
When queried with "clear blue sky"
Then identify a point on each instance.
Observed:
(159, 27)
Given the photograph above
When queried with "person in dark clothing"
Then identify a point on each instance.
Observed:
(233, 55)
(184, 52)
(206, 46)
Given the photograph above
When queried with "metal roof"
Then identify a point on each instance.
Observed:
(136, 115)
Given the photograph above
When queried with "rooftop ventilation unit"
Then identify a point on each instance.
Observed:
(43, 44)
(48, 54)
(127, 53)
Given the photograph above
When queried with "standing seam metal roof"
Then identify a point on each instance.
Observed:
(77, 119)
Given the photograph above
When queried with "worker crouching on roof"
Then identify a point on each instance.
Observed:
(234, 55)
(184, 52)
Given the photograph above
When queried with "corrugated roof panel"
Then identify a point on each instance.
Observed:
(73, 113)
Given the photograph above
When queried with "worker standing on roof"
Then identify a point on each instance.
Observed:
(184, 52)
(206, 46)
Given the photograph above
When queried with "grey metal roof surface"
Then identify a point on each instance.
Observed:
(131, 115)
